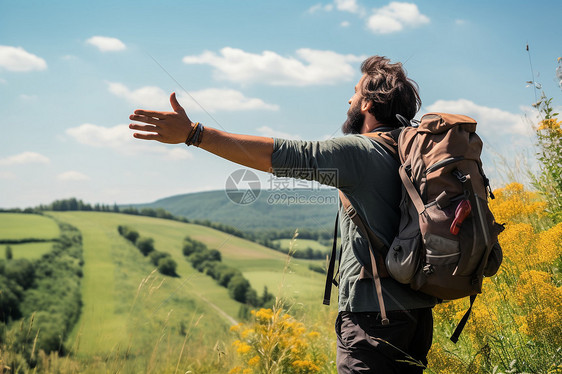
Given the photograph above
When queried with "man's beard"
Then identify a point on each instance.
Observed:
(354, 122)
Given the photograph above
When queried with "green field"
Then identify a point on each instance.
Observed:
(18, 226)
(131, 311)
(29, 250)
(301, 244)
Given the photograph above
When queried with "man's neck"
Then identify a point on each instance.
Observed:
(369, 126)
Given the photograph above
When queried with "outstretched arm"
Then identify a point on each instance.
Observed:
(174, 127)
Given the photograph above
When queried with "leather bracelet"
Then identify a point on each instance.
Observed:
(199, 136)
(188, 141)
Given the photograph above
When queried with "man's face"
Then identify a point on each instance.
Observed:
(355, 118)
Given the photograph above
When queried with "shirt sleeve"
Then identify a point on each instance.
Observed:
(338, 162)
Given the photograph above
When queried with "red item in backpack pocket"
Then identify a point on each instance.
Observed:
(462, 211)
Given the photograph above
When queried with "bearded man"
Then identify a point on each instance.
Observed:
(392, 336)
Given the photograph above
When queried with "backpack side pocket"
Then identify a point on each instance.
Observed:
(404, 255)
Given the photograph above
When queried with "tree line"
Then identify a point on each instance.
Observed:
(209, 261)
(163, 261)
(267, 238)
(45, 294)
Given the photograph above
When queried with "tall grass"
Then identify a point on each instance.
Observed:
(276, 342)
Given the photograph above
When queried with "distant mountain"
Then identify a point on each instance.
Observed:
(284, 209)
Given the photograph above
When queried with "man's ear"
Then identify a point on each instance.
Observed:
(366, 105)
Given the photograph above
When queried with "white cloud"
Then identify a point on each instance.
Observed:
(347, 6)
(148, 96)
(271, 133)
(309, 67)
(106, 44)
(395, 17)
(120, 139)
(345, 24)
(460, 22)
(24, 158)
(319, 7)
(72, 176)
(19, 60)
(212, 99)
(99, 136)
(491, 121)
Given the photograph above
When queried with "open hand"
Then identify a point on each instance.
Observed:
(166, 127)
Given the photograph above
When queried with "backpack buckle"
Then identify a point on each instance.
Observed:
(460, 176)
(351, 212)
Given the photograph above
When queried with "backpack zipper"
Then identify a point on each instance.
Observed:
(443, 163)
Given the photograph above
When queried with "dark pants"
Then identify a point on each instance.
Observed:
(366, 346)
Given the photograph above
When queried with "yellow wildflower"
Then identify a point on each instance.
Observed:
(263, 314)
(243, 348)
(541, 301)
(235, 328)
(551, 125)
(306, 366)
(246, 333)
(254, 361)
(517, 242)
(549, 246)
(514, 204)
(313, 334)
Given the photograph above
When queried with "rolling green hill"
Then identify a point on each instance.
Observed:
(316, 209)
(134, 319)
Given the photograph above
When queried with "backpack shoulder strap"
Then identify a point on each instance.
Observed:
(388, 139)
(331, 266)
(376, 246)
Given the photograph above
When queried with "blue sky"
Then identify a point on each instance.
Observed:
(72, 71)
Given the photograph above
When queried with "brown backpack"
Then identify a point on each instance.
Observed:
(447, 237)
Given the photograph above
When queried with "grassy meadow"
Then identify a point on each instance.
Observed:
(30, 251)
(29, 236)
(302, 244)
(16, 226)
(136, 319)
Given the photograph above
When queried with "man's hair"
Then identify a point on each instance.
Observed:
(390, 90)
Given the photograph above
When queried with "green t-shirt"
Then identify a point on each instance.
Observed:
(368, 175)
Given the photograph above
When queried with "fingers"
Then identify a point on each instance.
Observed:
(150, 136)
(144, 118)
(136, 126)
(153, 114)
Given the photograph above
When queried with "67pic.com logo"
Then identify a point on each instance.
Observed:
(243, 187)
(288, 187)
